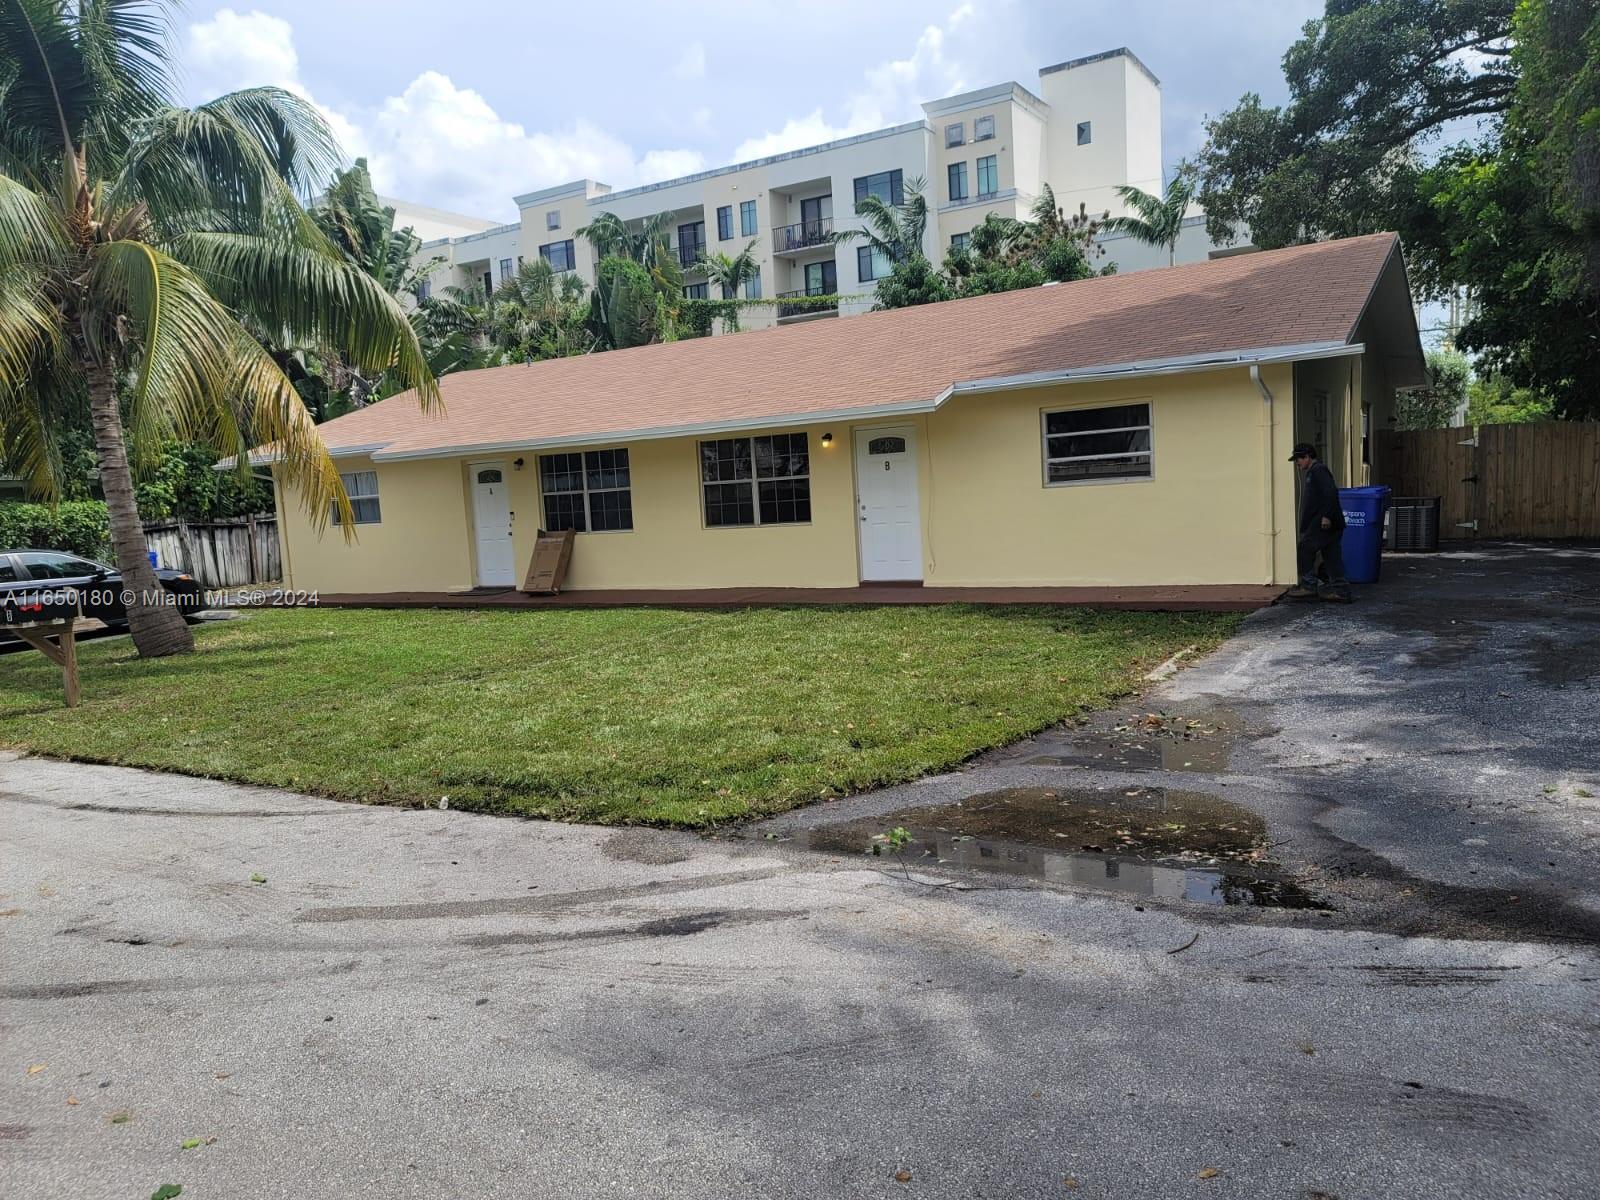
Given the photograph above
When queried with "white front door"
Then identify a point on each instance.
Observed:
(491, 518)
(888, 503)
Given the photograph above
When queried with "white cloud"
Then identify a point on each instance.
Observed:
(435, 143)
(892, 92)
(693, 63)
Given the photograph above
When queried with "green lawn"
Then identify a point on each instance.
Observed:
(622, 715)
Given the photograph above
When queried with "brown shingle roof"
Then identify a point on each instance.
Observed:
(1299, 296)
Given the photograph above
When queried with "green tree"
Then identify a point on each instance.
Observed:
(1157, 220)
(624, 308)
(1435, 406)
(728, 273)
(136, 239)
(1369, 83)
(1004, 254)
(539, 313)
(1495, 400)
(896, 232)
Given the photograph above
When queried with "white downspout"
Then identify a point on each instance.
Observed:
(1269, 529)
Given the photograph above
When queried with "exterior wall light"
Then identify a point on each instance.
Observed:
(827, 439)
(517, 464)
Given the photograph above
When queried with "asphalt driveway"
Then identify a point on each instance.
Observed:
(424, 1004)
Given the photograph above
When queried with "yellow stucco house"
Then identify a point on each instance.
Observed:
(1119, 431)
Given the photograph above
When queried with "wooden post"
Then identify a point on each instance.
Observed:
(63, 651)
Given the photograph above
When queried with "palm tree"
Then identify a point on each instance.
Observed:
(730, 273)
(540, 314)
(611, 238)
(136, 239)
(1160, 218)
(896, 231)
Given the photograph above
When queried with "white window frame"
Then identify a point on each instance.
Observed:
(349, 478)
(1044, 443)
(955, 135)
(980, 125)
(583, 473)
(755, 481)
(552, 219)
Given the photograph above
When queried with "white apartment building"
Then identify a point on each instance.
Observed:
(1095, 124)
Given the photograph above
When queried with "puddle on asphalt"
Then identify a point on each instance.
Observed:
(1157, 842)
(1147, 742)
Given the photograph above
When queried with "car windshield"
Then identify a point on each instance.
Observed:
(44, 565)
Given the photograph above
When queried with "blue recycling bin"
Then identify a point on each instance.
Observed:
(155, 559)
(1363, 531)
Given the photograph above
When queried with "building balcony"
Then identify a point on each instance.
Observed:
(804, 235)
(690, 253)
(796, 312)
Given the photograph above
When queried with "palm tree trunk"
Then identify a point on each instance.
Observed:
(158, 629)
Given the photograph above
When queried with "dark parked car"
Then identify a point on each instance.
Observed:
(41, 584)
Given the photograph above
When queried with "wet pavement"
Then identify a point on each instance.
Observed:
(1083, 969)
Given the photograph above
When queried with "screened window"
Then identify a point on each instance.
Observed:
(559, 255)
(756, 481)
(591, 491)
(988, 175)
(1085, 132)
(955, 135)
(362, 488)
(747, 218)
(872, 263)
(957, 172)
(888, 186)
(983, 129)
(725, 222)
(1091, 444)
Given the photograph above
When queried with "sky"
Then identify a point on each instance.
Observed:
(462, 106)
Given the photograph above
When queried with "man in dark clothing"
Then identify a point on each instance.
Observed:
(1321, 530)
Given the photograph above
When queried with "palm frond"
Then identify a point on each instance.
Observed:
(201, 376)
(30, 328)
(314, 296)
(30, 230)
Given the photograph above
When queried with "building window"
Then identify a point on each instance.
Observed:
(872, 263)
(747, 218)
(362, 488)
(983, 129)
(756, 481)
(424, 288)
(956, 172)
(1096, 444)
(988, 175)
(1085, 132)
(691, 243)
(505, 269)
(724, 222)
(960, 241)
(552, 219)
(697, 291)
(955, 135)
(822, 278)
(886, 185)
(560, 255)
(590, 491)
(752, 287)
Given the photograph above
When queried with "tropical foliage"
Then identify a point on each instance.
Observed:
(1003, 254)
(1508, 211)
(142, 245)
(1155, 220)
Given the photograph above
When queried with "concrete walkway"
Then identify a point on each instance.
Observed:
(426, 1004)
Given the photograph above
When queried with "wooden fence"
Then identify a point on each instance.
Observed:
(1503, 481)
(219, 553)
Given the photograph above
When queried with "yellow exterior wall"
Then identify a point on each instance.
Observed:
(422, 542)
(988, 520)
(1201, 517)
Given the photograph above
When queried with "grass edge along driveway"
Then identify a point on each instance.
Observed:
(652, 716)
